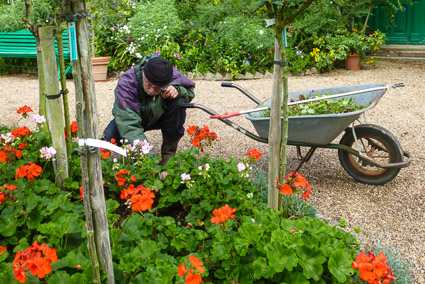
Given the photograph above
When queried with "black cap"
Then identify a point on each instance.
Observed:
(158, 71)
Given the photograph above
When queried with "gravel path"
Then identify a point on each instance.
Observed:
(393, 213)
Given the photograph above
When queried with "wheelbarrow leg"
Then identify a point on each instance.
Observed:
(305, 158)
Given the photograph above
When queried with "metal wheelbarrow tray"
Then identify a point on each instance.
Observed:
(367, 152)
(320, 129)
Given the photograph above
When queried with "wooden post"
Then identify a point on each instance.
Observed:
(94, 199)
(54, 104)
(59, 39)
(275, 132)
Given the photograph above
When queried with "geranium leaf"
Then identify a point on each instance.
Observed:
(311, 261)
(339, 265)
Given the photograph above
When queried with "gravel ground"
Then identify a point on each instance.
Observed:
(393, 213)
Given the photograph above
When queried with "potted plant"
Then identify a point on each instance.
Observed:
(357, 43)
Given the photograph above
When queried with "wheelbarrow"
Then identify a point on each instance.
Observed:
(367, 152)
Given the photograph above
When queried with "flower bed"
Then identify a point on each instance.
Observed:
(196, 219)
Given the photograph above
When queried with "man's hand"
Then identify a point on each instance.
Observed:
(170, 93)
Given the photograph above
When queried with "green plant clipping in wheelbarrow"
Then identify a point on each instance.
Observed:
(324, 106)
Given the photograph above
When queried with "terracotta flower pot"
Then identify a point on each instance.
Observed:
(352, 62)
(100, 68)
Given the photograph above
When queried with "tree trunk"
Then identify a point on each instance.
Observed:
(94, 199)
(275, 132)
(54, 104)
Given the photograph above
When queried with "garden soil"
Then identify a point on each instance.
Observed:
(393, 214)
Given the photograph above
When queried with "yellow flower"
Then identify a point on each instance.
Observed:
(380, 37)
(372, 43)
(314, 42)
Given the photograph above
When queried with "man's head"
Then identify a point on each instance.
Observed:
(158, 71)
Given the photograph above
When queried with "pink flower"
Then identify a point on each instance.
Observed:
(38, 118)
(185, 176)
(47, 152)
(241, 167)
(158, 52)
(176, 54)
(112, 29)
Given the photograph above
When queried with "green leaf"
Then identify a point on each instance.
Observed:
(280, 258)
(261, 269)
(339, 265)
(241, 244)
(8, 225)
(278, 3)
(311, 261)
(220, 252)
(251, 232)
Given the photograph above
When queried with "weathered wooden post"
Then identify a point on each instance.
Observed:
(275, 131)
(94, 199)
(54, 103)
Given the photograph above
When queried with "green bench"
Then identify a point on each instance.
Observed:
(22, 44)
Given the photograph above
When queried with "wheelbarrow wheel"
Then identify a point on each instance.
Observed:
(376, 143)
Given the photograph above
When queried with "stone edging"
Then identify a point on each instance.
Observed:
(219, 77)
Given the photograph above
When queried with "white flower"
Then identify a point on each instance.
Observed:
(207, 166)
(146, 148)
(38, 118)
(261, 32)
(250, 195)
(241, 167)
(138, 55)
(47, 152)
(200, 167)
(8, 137)
(165, 27)
(185, 176)
(125, 27)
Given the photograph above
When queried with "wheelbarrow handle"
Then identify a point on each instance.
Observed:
(226, 115)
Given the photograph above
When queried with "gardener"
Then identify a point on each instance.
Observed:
(149, 96)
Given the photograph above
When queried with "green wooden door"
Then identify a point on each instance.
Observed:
(408, 26)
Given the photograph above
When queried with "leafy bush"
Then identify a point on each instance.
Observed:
(11, 16)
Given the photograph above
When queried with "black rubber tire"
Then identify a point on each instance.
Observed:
(388, 151)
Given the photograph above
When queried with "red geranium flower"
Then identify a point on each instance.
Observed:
(223, 214)
(24, 110)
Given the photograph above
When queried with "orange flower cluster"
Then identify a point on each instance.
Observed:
(120, 176)
(2, 249)
(24, 110)
(201, 137)
(8, 153)
(255, 154)
(192, 278)
(29, 171)
(223, 214)
(32, 260)
(294, 183)
(8, 194)
(105, 153)
(20, 132)
(74, 130)
(141, 198)
(373, 270)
